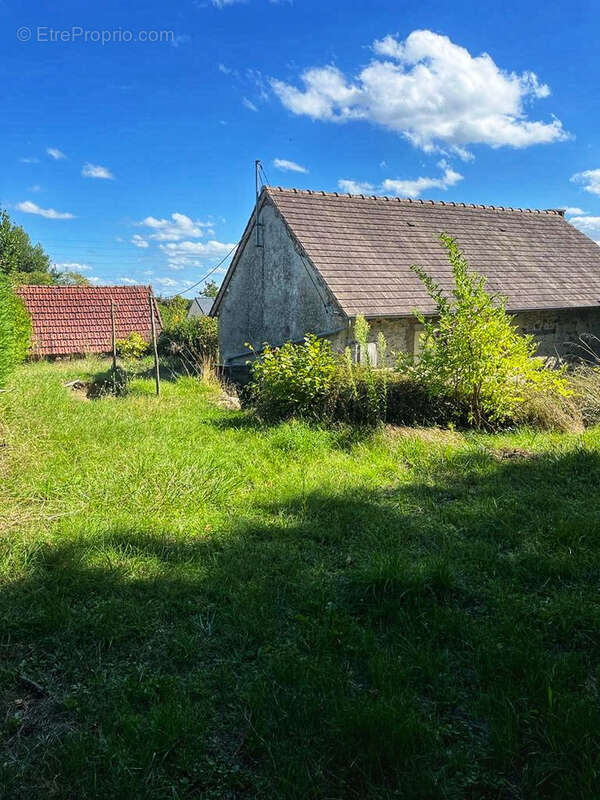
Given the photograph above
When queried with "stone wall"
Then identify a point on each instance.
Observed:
(399, 334)
(557, 332)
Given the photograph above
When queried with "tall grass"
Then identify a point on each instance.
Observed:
(196, 605)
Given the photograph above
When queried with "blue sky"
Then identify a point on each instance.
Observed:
(134, 159)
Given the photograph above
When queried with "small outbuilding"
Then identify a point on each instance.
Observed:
(75, 320)
(200, 307)
(311, 261)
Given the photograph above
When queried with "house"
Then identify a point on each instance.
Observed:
(74, 320)
(200, 307)
(316, 260)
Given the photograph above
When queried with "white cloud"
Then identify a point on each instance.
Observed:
(35, 188)
(225, 3)
(288, 166)
(55, 153)
(356, 187)
(96, 171)
(186, 254)
(589, 179)
(180, 226)
(73, 266)
(573, 211)
(31, 208)
(139, 241)
(430, 90)
(227, 70)
(95, 279)
(587, 224)
(249, 104)
(405, 188)
(165, 281)
(414, 188)
(29, 160)
(127, 280)
(180, 38)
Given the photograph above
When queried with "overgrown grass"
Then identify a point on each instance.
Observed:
(195, 606)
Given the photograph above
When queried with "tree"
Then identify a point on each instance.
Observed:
(210, 289)
(173, 310)
(17, 253)
(15, 329)
(472, 352)
(26, 263)
(68, 278)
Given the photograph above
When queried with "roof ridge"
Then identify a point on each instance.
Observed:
(47, 287)
(416, 201)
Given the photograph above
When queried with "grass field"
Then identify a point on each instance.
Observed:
(194, 606)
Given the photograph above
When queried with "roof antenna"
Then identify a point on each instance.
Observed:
(257, 166)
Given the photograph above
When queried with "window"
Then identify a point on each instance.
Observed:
(366, 355)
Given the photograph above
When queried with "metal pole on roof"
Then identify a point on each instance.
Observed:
(154, 344)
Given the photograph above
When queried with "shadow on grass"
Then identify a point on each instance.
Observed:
(428, 640)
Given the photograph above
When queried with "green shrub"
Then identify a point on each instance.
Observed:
(473, 354)
(173, 310)
(194, 341)
(134, 346)
(15, 330)
(293, 380)
(309, 381)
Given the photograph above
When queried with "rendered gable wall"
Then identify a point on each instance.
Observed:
(271, 296)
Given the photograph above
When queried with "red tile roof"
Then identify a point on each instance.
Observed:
(363, 248)
(70, 320)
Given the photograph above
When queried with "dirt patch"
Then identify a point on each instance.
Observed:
(427, 435)
(229, 401)
(512, 453)
(79, 388)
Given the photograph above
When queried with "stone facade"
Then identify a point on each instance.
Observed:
(274, 295)
(559, 332)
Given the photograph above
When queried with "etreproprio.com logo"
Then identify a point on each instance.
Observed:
(77, 33)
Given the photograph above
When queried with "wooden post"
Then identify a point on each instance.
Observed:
(114, 344)
(154, 345)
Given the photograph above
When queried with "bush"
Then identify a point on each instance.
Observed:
(134, 346)
(15, 330)
(193, 341)
(173, 310)
(309, 381)
(294, 380)
(473, 354)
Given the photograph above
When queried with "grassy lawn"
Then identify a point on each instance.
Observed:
(192, 606)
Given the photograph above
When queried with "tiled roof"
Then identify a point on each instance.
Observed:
(76, 319)
(363, 248)
(204, 304)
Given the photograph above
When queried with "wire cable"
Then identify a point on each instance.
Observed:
(214, 269)
(266, 177)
